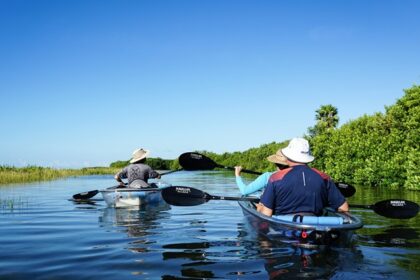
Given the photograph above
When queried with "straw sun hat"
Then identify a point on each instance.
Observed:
(298, 151)
(278, 157)
(139, 154)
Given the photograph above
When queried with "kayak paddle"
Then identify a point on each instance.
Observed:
(393, 208)
(92, 193)
(187, 196)
(195, 161)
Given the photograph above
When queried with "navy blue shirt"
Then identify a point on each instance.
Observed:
(301, 189)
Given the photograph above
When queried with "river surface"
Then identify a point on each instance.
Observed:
(43, 235)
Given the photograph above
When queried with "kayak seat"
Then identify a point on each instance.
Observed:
(312, 220)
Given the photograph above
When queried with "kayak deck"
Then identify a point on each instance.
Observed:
(327, 231)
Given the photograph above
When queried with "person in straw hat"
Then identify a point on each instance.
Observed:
(137, 172)
(261, 181)
(300, 189)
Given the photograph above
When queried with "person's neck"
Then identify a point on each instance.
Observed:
(292, 163)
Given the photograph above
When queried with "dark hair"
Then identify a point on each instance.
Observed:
(281, 166)
(143, 160)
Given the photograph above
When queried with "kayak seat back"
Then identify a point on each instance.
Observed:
(312, 220)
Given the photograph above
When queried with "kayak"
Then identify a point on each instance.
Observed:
(126, 197)
(332, 228)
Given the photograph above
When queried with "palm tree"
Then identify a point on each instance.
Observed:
(327, 115)
(327, 118)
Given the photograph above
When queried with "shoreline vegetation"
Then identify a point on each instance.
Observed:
(11, 175)
(381, 150)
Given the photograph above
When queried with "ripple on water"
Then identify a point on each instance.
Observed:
(49, 237)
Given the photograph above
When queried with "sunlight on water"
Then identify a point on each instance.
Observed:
(44, 236)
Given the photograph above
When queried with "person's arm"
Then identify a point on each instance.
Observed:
(120, 175)
(267, 202)
(265, 210)
(336, 200)
(344, 207)
(258, 184)
(153, 174)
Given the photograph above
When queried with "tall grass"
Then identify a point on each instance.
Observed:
(10, 204)
(10, 174)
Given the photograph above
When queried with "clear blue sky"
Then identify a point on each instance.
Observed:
(84, 83)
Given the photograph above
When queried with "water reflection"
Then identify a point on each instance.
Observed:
(139, 223)
(214, 259)
(201, 243)
(132, 217)
(286, 261)
(44, 236)
(393, 236)
(255, 258)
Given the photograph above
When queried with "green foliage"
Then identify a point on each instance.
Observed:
(378, 150)
(159, 164)
(252, 159)
(120, 163)
(155, 163)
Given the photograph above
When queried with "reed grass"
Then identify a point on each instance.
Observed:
(10, 174)
(12, 203)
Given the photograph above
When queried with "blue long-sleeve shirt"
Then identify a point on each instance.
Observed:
(254, 186)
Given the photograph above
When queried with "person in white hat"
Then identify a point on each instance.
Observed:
(300, 189)
(261, 181)
(138, 172)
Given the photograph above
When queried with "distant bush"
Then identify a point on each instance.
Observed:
(155, 163)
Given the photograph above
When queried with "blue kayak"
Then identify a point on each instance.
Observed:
(332, 228)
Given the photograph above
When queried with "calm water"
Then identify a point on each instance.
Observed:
(43, 235)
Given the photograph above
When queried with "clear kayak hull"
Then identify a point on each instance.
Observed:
(316, 233)
(128, 197)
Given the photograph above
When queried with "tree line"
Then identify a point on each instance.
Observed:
(380, 150)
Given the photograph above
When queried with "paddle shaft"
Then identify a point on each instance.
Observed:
(172, 171)
(370, 207)
(196, 161)
(245, 198)
(188, 196)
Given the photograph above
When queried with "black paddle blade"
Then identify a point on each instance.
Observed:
(345, 189)
(85, 195)
(195, 161)
(183, 196)
(396, 208)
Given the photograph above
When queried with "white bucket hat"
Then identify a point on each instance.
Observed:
(298, 151)
(139, 154)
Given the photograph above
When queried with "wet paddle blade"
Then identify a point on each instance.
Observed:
(183, 196)
(187, 196)
(345, 189)
(85, 195)
(396, 208)
(196, 161)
